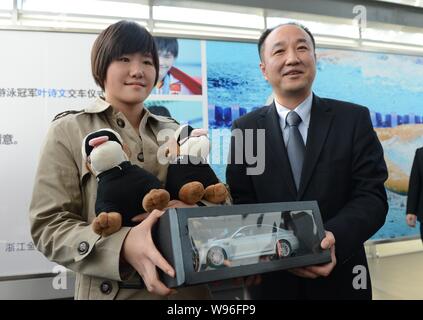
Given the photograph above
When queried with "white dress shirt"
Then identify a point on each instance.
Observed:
(303, 110)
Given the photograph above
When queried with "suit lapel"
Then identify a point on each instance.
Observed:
(320, 122)
(276, 155)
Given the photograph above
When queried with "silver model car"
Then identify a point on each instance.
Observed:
(252, 241)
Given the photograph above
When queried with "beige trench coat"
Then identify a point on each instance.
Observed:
(63, 201)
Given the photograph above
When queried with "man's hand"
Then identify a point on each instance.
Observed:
(314, 272)
(139, 251)
(411, 219)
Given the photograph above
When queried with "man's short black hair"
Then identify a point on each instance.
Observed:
(268, 31)
(165, 44)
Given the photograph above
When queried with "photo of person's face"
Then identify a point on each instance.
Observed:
(166, 59)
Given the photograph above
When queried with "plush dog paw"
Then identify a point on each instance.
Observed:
(216, 193)
(155, 199)
(106, 224)
(191, 192)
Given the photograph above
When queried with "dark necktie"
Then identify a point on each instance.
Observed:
(295, 146)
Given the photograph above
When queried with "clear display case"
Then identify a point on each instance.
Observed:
(214, 243)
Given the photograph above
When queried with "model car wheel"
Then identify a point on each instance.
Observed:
(216, 256)
(283, 248)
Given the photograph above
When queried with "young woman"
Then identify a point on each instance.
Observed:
(125, 65)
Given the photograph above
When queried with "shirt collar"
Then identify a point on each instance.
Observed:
(303, 110)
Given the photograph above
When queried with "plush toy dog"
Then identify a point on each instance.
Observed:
(189, 177)
(124, 190)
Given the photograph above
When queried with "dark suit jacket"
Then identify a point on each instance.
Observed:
(344, 170)
(415, 191)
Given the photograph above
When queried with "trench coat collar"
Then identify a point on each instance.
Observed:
(100, 105)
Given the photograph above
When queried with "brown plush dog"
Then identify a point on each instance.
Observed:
(190, 178)
(124, 190)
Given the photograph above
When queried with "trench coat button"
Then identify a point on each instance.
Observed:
(120, 122)
(106, 287)
(83, 247)
(140, 156)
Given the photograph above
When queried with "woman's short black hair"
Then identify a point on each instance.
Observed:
(120, 38)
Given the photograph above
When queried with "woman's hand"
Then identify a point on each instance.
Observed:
(172, 204)
(180, 204)
(141, 253)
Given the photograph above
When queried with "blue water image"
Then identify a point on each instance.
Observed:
(388, 84)
(233, 75)
(395, 225)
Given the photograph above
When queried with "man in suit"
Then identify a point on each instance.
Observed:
(415, 193)
(327, 151)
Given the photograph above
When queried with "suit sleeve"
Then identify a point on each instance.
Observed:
(240, 184)
(414, 186)
(365, 212)
(58, 224)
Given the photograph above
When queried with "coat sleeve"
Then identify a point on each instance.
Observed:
(59, 227)
(240, 184)
(365, 212)
(414, 186)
